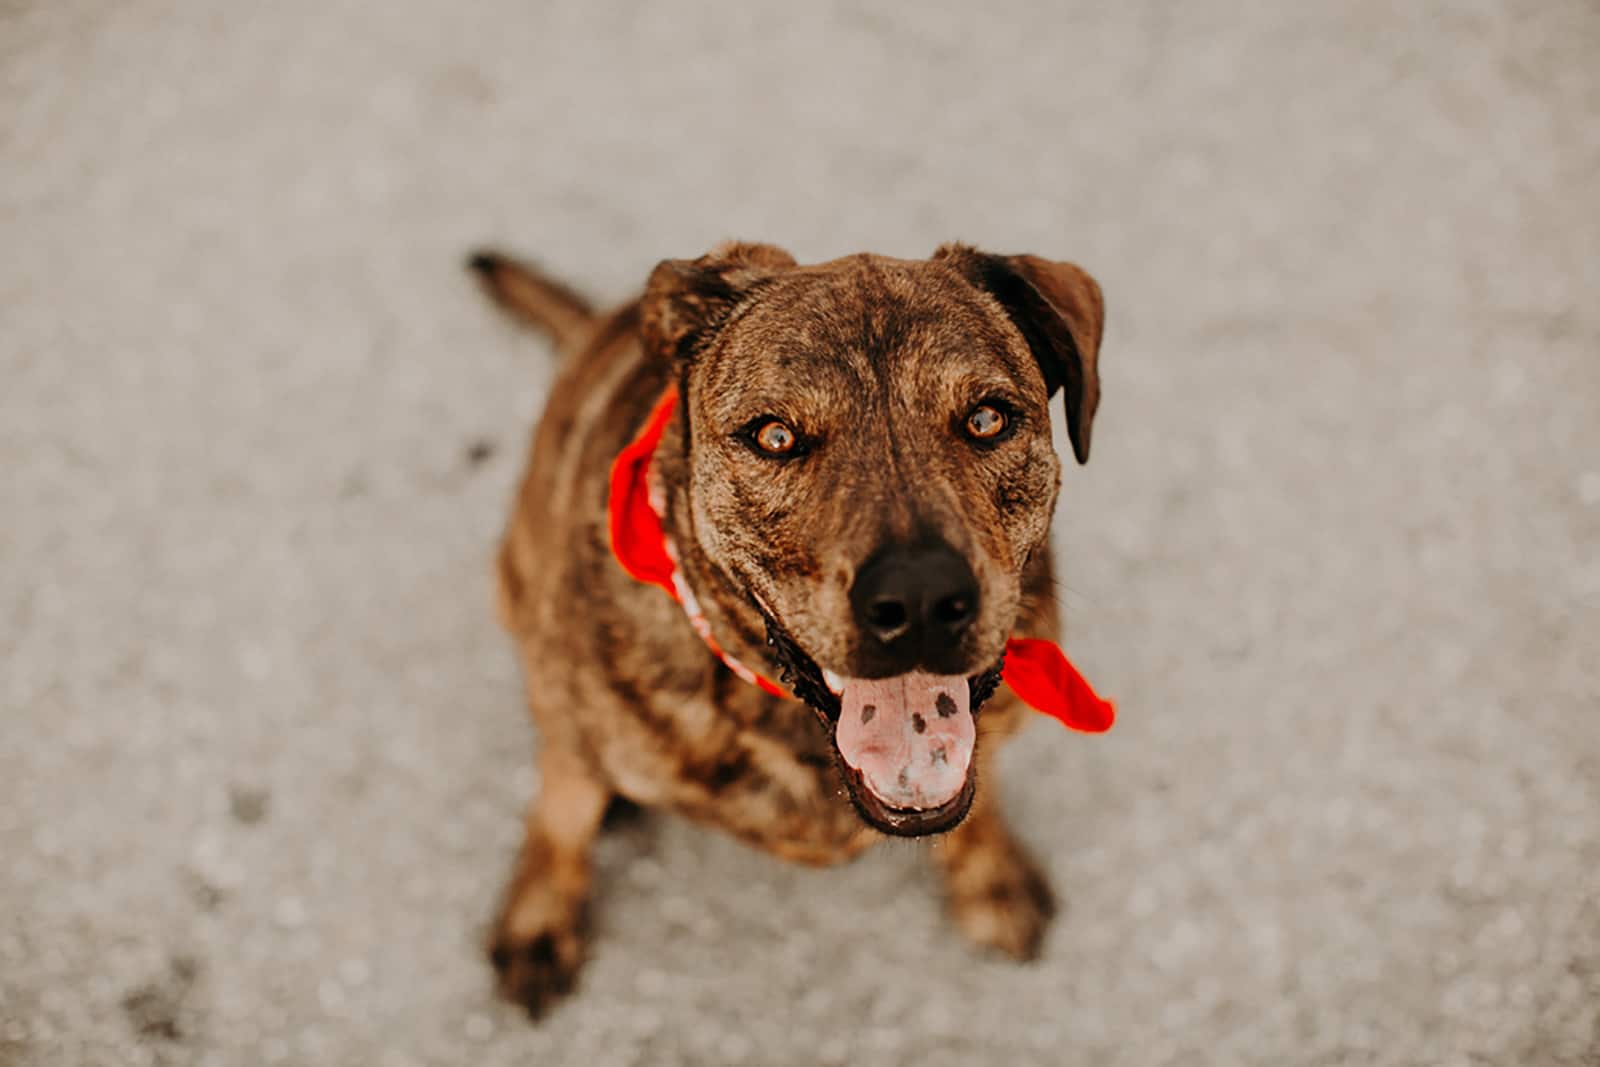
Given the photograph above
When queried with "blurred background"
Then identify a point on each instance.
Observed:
(263, 750)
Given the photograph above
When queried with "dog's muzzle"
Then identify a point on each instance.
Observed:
(905, 745)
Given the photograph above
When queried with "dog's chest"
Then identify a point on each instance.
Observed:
(748, 764)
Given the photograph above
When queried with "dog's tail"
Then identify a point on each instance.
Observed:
(534, 298)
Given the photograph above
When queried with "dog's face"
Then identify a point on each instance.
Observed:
(871, 463)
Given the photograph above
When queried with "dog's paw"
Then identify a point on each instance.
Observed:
(540, 939)
(537, 971)
(1003, 902)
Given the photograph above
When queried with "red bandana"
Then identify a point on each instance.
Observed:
(1037, 671)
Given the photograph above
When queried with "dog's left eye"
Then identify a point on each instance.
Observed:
(986, 422)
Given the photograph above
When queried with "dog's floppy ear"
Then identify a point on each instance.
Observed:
(1061, 314)
(687, 299)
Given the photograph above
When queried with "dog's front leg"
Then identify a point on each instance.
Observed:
(996, 892)
(538, 942)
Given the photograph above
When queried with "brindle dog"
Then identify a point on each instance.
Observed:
(858, 481)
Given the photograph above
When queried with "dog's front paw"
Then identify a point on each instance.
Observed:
(538, 968)
(540, 939)
(536, 971)
(1001, 900)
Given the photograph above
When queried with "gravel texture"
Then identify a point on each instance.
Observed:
(263, 751)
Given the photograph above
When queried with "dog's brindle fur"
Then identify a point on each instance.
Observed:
(875, 359)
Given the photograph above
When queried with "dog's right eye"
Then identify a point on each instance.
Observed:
(772, 437)
(775, 438)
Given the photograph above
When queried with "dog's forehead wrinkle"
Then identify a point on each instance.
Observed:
(871, 329)
(814, 397)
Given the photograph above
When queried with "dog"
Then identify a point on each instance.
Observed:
(778, 526)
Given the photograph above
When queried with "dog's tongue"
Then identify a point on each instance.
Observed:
(910, 736)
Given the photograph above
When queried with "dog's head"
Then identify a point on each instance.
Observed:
(872, 466)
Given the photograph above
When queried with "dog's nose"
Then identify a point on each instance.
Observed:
(916, 597)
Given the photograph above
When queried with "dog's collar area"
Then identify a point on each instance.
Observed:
(1037, 671)
(799, 671)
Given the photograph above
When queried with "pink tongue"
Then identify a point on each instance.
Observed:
(910, 736)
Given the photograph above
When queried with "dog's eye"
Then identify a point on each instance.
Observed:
(986, 422)
(775, 439)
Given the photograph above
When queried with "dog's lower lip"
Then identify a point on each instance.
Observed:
(909, 822)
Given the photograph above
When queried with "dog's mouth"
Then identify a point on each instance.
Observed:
(905, 743)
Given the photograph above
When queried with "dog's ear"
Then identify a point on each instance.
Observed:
(687, 299)
(1059, 310)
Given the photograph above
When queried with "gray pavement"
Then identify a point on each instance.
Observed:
(262, 751)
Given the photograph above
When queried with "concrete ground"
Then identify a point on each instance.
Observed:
(263, 752)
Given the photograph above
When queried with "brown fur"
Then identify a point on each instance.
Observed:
(875, 360)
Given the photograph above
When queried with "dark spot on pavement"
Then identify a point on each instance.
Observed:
(248, 805)
(207, 897)
(152, 1013)
(918, 723)
(461, 84)
(354, 485)
(946, 706)
(480, 451)
(155, 1009)
(867, 713)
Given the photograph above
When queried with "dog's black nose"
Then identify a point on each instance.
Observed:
(916, 598)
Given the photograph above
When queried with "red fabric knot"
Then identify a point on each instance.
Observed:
(1045, 680)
